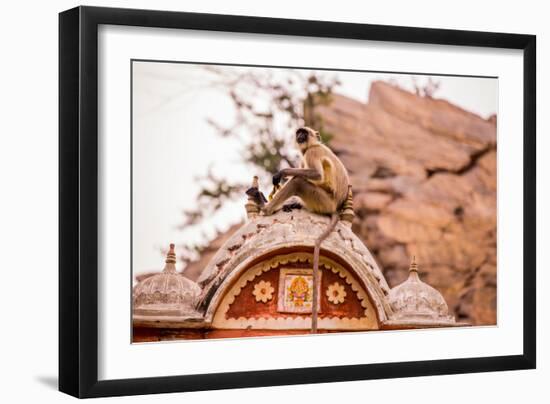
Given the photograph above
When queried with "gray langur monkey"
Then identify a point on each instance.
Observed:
(321, 183)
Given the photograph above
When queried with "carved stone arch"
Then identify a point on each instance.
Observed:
(354, 272)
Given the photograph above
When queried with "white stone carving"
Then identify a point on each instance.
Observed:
(336, 293)
(417, 302)
(263, 291)
(167, 293)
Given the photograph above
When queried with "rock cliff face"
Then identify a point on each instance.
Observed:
(424, 182)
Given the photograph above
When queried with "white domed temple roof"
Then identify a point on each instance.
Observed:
(167, 293)
(416, 302)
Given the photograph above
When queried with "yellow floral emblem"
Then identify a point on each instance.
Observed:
(299, 291)
(263, 291)
(336, 293)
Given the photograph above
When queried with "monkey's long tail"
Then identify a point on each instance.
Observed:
(316, 249)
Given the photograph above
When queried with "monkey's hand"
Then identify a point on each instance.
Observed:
(277, 178)
(257, 195)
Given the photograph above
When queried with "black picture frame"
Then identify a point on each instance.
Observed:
(78, 200)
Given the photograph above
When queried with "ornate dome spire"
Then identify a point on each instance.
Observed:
(413, 267)
(170, 261)
(167, 293)
(416, 301)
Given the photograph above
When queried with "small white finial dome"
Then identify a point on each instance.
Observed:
(167, 293)
(415, 300)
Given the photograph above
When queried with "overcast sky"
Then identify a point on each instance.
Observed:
(173, 144)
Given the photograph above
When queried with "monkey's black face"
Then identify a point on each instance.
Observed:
(301, 135)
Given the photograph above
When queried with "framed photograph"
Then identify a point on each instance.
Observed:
(251, 201)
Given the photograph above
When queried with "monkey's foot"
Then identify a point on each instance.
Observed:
(291, 206)
(256, 195)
